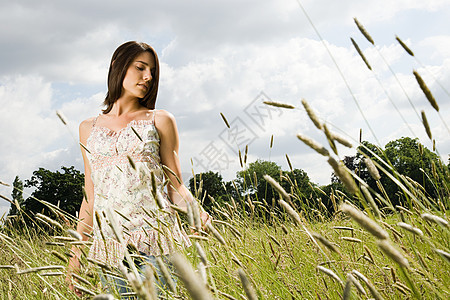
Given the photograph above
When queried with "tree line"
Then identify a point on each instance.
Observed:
(64, 188)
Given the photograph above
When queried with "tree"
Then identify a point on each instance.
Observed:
(17, 196)
(408, 158)
(411, 160)
(251, 180)
(299, 184)
(63, 189)
(212, 185)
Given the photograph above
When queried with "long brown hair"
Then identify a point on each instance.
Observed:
(120, 61)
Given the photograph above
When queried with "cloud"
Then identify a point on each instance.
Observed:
(218, 57)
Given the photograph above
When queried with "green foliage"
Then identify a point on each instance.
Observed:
(251, 179)
(407, 157)
(211, 185)
(17, 195)
(63, 189)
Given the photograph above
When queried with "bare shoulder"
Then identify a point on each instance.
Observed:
(164, 120)
(166, 125)
(85, 129)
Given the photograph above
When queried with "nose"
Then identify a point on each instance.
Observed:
(147, 76)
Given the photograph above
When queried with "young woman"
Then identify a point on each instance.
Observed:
(124, 151)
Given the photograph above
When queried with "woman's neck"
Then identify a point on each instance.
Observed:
(125, 105)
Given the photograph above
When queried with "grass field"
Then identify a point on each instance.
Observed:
(282, 259)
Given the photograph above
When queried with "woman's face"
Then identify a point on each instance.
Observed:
(138, 77)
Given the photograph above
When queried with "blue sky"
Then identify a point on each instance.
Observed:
(220, 56)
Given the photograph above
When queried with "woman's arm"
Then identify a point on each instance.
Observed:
(169, 144)
(85, 215)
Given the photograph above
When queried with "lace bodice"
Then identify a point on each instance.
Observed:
(121, 165)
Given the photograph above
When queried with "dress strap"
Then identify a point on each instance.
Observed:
(153, 117)
(95, 120)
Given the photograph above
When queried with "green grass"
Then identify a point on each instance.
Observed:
(279, 265)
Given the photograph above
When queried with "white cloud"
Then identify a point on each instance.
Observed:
(217, 57)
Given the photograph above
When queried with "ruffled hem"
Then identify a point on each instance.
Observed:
(148, 241)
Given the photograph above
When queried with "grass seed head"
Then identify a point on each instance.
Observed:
(410, 228)
(278, 104)
(312, 115)
(196, 213)
(364, 31)
(313, 144)
(443, 253)
(190, 279)
(361, 54)
(426, 91)
(330, 139)
(347, 289)
(49, 220)
(393, 253)
(376, 295)
(201, 253)
(331, 274)
(277, 187)
(291, 212)
(225, 120)
(373, 171)
(60, 256)
(216, 234)
(369, 253)
(249, 291)
(326, 243)
(83, 289)
(426, 125)
(434, 219)
(343, 175)
(166, 274)
(75, 234)
(61, 117)
(371, 202)
(356, 283)
(104, 297)
(405, 47)
(365, 222)
(351, 239)
(341, 140)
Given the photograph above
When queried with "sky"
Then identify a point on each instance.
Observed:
(224, 57)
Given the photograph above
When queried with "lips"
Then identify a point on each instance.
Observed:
(143, 86)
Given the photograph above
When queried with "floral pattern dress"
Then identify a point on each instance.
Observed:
(121, 165)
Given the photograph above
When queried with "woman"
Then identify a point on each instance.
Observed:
(124, 149)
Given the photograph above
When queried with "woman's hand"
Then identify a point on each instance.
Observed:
(206, 220)
(74, 266)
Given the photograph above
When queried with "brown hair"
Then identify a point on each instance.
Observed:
(120, 61)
